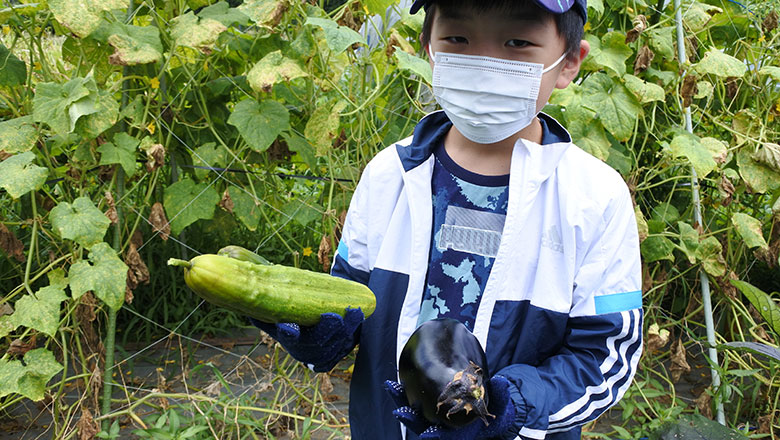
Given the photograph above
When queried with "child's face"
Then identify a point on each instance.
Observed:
(496, 34)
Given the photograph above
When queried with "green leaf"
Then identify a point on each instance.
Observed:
(710, 254)
(134, 44)
(718, 63)
(42, 311)
(770, 352)
(13, 71)
(656, 248)
(259, 124)
(223, 13)
(264, 13)
(81, 222)
(207, 155)
(414, 64)
(28, 378)
(717, 148)
(769, 155)
(105, 274)
(772, 71)
(644, 91)
(93, 125)
(18, 174)
(749, 229)
(696, 15)
(759, 177)
(245, 208)
(665, 213)
(61, 105)
(301, 146)
(611, 52)
(689, 146)
(616, 107)
(339, 38)
(187, 202)
(378, 7)
(323, 125)
(83, 16)
(302, 212)
(662, 41)
(764, 303)
(190, 31)
(272, 69)
(18, 135)
(121, 151)
(689, 240)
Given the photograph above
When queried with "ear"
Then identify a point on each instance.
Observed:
(571, 66)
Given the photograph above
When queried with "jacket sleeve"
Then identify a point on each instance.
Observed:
(603, 342)
(351, 257)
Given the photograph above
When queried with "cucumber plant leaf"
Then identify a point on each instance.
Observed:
(132, 44)
(40, 311)
(656, 248)
(187, 202)
(749, 229)
(245, 207)
(709, 252)
(611, 52)
(19, 175)
(758, 176)
(191, 31)
(81, 221)
(106, 114)
(768, 351)
(84, 16)
(378, 7)
(208, 155)
(322, 128)
(121, 151)
(272, 69)
(264, 13)
(689, 146)
(720, 64)
(13, 71)
(105, 274)
(223, 13)
(616, 107)
(18, 135)
(61, 105)
(414, 64)
(28, 378)
(259, 123)
(339, 38)
(766, 306)
(771, 71)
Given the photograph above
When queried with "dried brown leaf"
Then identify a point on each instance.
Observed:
(643, 59)
(155, 157)
(640, 24)
(326, 386)
(87, 426)
(226, 203)
(703, 404)
(137, 239)
(159, 221)
(770, 22)
(765, 423)
(324, 251)
(688, 89)
(6, 309)
(111, 213)
(679, 359)
(19, 347)
(726, 190)
(11, 245)
(657, 338)
(4, 155)
(137, 271)
(732, 87)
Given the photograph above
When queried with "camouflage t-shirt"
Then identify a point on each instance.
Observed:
(468, 217)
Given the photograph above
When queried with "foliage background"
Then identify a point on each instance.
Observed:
(135, 131)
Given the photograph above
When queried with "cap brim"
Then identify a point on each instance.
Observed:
(417, 5)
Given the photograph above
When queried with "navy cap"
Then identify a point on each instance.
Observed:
(553, 6)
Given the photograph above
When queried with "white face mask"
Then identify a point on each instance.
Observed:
(487, 99)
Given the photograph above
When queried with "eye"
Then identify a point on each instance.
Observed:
(517, 43)
(456, 40)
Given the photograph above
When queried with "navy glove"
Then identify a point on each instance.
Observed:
(499, 404)
(320, 346)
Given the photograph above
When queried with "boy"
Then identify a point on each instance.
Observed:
(490, 215)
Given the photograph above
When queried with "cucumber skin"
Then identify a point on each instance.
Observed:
(274, 293)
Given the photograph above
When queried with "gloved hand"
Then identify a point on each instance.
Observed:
(320, 346)
(499, 404)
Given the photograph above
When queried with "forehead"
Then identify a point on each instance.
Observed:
(522, 10)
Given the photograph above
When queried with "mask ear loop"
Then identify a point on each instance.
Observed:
(552, 66)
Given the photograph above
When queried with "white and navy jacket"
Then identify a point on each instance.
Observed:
(561, 314)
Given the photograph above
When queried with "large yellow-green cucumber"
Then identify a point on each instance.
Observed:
(272, 293)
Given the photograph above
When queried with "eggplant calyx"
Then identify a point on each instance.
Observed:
(465, 392)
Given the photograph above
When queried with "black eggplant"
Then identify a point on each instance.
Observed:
(443, 368)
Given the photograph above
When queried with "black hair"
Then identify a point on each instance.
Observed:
(569, 24)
